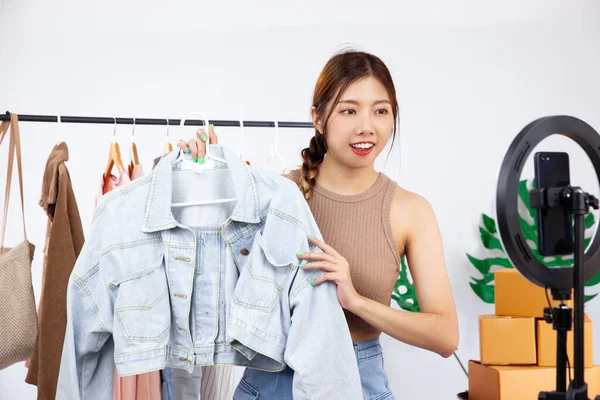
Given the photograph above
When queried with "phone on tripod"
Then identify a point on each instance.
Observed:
(554, 226)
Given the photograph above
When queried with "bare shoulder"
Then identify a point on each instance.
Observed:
(407, 203)
(410, 212)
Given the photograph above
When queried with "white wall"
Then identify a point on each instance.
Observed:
(469, 76)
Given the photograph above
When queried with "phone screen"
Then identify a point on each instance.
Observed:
(554, 227)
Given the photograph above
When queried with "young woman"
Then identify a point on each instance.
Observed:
(367, 222)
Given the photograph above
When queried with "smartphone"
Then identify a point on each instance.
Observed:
(554, 226)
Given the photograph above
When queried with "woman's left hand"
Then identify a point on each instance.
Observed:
(336, 269)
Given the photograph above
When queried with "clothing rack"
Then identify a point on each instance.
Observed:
(153, 121)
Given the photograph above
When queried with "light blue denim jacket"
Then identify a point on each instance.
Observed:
(148, 292)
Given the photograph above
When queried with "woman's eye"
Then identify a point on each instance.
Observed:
(349, 111)
(382, 111)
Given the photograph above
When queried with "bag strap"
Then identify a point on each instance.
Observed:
(3, 129)
(14, 146)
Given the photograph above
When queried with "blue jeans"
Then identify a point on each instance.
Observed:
(262, 385)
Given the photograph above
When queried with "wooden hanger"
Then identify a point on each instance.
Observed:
(133, 159)
(114, 157)
(133, 154)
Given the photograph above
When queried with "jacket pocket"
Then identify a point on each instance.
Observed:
(264, 276)
(142, 306)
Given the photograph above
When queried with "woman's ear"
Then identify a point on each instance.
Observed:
(316, 120)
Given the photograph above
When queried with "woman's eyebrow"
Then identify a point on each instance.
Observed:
(354, 102)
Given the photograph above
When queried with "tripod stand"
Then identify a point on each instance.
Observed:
(577, 202)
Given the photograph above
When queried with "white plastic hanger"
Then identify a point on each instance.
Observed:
(275, 149)
(241, 143)
(59, 121)
(168, 146)
(199, 168)
(208, 164)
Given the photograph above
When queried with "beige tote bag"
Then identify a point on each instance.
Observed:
(18, 316)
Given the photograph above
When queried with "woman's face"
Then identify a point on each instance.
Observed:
(360, 124)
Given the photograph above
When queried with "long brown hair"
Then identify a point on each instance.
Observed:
(339, 73)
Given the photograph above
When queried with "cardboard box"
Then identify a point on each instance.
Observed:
(546, 344)
(520, 382)
(516, 296)
(507, 340)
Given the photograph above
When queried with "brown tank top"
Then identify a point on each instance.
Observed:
(358, 227)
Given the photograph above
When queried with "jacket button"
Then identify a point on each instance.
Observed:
(244, 252)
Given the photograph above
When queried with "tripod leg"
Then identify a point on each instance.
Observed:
(578, 281)
(561, 323)
(561, 361)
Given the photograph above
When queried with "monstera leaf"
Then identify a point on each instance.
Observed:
(404, 293)
(483, 286)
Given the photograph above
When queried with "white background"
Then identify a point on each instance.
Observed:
(469, 76)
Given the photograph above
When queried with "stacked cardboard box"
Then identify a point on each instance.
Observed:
(518, 347)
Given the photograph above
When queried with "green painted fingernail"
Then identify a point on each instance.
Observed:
(187, 149)
(205, 138)
(196, 159)
(312, 283)
(201, 160)
(299, 254)
(302, 264)
(311, 237)
(212, 127)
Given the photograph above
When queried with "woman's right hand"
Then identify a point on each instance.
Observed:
(197, 146)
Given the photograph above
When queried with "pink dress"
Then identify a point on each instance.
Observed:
(145, 386)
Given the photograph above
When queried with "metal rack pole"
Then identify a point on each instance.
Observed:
(153, 121)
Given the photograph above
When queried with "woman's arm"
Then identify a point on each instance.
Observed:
(435, 328)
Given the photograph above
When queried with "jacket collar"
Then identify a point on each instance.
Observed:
(158, 214)
(49, 195)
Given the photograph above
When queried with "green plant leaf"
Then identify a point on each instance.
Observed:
(484, 265)
(589, 220)
(489, 241)
(407, 301)
(484, 291)
(588, 297)
(489, 223)
(594, 280)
